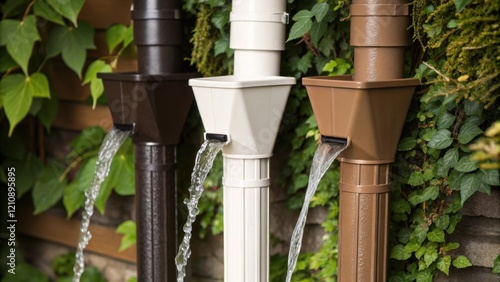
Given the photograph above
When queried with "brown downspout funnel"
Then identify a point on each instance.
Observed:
(154, 104)
(369, 110)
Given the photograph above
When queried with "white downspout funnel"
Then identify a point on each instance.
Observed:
(248, 106)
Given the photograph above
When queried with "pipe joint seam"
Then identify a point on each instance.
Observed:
(379, 10)
(365, 189)
(172, 14)
(240, 183)
(247, 157)
(280, 17)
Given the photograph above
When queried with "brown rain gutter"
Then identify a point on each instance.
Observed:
(368, 109)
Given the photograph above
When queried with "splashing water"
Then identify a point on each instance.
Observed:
(203, 164)
(323, 158)
(112, 142)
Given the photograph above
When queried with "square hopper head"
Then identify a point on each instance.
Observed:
(369, 114)
(155, 106)
(248, 109)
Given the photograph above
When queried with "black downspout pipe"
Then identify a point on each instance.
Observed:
(156, 236)
(155, 103)
(158, 35)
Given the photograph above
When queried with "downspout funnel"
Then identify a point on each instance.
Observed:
(154, 103)
(248, 107)
(368, 109)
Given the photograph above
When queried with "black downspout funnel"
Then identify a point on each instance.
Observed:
(154, 102)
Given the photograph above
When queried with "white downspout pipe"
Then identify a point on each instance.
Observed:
(258, 36)
(248, 106)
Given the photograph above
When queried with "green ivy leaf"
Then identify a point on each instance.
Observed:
(436, 235)
(461, 4)
(299, 28)
(424, 276)
(400, 206)
(416, 178)
(407, 144)
(419, 234)
(412, 247)
(13, 8)
(454, 220)
(490, 176)
(473, 108)
(220, 19)
(85, 174)
(468, 186)
(443, 221)
(451, 246)
(441, 139)
(461, 262)
(48, 190)
(496, 265)
(115, 36)
(451, 157)
(221, 46)
(96, 84)
(300, 181)
(465, 164)
(18, 91)
(73, 198)
(317, 31)
(430, 256)
(399, 253)
(445, 121)
(455, 179)
(42, 9)
(302, 15)
(444, 264)
(19, 37)
(430, 193)
(72, 43)
(128, 229)
(67, 8)
(319, 10)
(121, 175)
(467, 132)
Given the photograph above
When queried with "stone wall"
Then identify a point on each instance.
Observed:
(479, 237)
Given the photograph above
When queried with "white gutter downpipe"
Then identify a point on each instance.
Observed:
(258, 36)
(248, 107)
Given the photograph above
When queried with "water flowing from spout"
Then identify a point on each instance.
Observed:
(112, 142)
(203, 164)
(323, 158)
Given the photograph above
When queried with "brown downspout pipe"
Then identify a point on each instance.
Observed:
(368, 109)
(379, 36)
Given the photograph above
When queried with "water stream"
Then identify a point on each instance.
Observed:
(323, 157)
(203, 164)
(112, 142)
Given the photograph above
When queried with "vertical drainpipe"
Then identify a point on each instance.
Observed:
(248, 107)
(154, 102)
(369, 109)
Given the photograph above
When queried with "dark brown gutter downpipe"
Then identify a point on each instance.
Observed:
(154, 103)
(368, 109)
